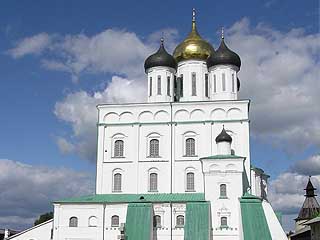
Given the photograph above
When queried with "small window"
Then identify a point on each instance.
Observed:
(180, 221)
(206, 85)
(157, 221)
(223, 190)
(115, 221)
(223, 82)
(168, 85)
(118, 148)
(153, 182)
(190, 182)
(181, 85)
(194, 84)
(93, 221)
(117, 182)
(150, 86)
(190, 147)
(159, 85)
(154, 148)
(224, 222)
(233, 90)
(214, 83)
(73, 222)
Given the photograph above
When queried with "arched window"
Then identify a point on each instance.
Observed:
(150, 86)
(194, 84)
(153, 182)
(117, 182)
(93, 221)
(180, 221)
(224, 222)
(233, 82)
(159, 85)
(223, 190)
(190, 181)
(118, 148)
(214, 83)
(157, 221)
(154, 148)
(223, 82)
(115, 221)
(73, 222)
(190, 147)
(206, 85)
(168, 86)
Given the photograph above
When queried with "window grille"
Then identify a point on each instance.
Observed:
(224, 221)
(180, 221)
(154, 148)
(190, 181)
(157, 221)
(206, 85)
(159, 85)
(194, 84)
(223, 190)
(223, 82)
(153, 182)
(115, 221)
(190, 147)
(118, 148)
(73, 222)
(168, 86)
(117, 182)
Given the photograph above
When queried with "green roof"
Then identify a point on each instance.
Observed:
(136, 198)
(197, 221)
(254, 221)
(138, 221)
(222, 157)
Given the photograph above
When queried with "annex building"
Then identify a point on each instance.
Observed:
(176, 167)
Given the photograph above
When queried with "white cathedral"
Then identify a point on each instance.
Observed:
(176, 167)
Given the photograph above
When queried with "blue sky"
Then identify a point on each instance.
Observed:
(37, 130)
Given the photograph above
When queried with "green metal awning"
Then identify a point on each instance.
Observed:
(254, 221)
(136, 198)
(197, 223)
(138, 221)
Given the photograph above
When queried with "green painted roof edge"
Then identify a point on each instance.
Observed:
(222, 157)
(135, 198)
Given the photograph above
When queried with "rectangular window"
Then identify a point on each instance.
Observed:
(168, 86)
(233, 82)
(194, 84)
(214, 83)
(150, 86)
(206, 85)
(223, 82)
(181, 85)
(159, 85)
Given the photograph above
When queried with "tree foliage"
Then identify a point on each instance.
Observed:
(43, 218)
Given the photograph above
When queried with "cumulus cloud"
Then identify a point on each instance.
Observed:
(287, 190)
(280, 74)
(27, 191)
(31, 45)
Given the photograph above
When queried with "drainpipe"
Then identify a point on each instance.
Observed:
(104, 220)
(171, 237)
(171, 150)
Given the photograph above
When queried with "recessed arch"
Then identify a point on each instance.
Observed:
(111, 117)
(218, 114)
(181, 115)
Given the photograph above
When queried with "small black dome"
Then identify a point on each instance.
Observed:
(224, 55)
(223, 137)
(160, 58)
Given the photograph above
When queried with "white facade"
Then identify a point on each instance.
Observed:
(43, 231)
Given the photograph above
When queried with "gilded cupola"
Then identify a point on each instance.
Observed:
(193, 46)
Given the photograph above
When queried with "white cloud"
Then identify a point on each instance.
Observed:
(280, 74)
(287, 190)
(31, 45)
(27, 191)
(310, 166)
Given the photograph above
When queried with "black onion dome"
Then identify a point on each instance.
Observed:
(160, 58)
(223, 55)
(223, 137)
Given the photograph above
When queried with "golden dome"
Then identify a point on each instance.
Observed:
(193, 47)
